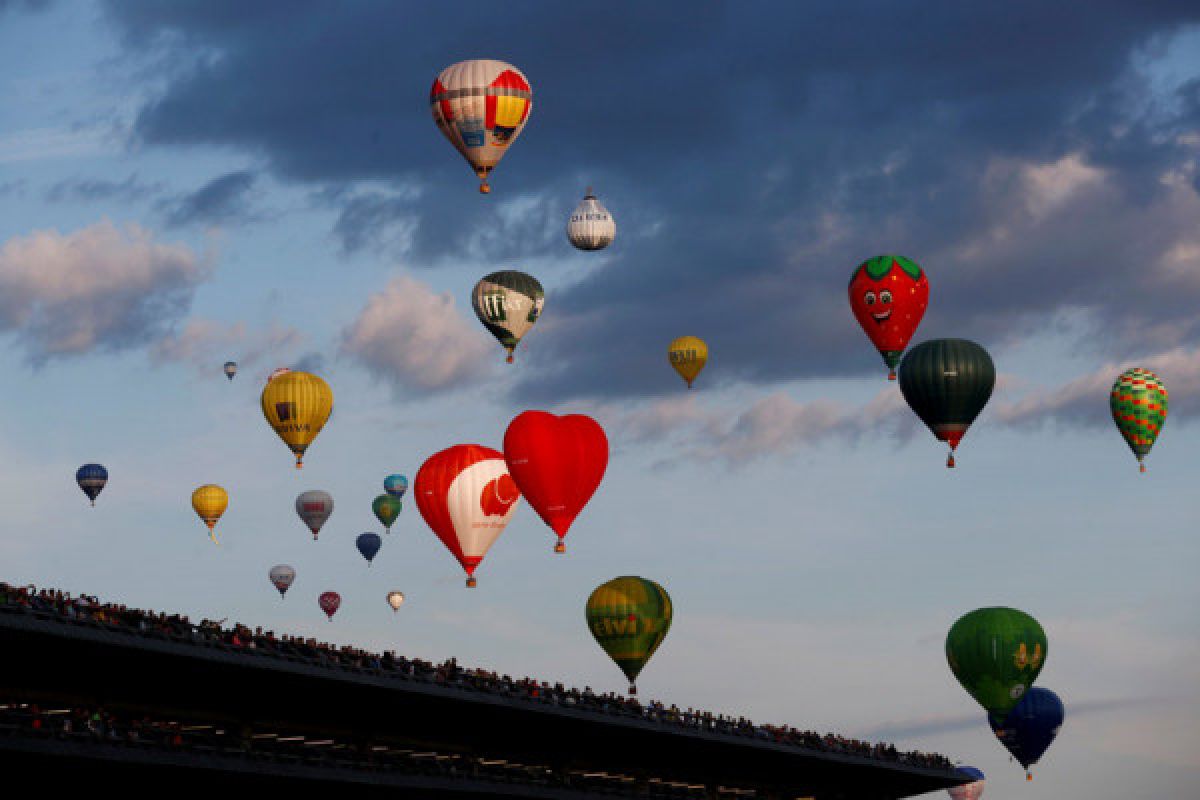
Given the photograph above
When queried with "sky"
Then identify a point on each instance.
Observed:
(191, 182)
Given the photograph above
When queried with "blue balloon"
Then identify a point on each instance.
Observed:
(974, 772)
(368, 545)
(91, 478)
(395, 485)
(1031, 726)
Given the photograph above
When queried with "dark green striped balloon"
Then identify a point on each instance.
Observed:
(947, 382)
(996, 654)
(629, 617)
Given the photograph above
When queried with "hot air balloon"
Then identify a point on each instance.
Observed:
(888, 295)
(467, 497)
(508, 303)
(368, 544)
(688, 355)
(330, 602)
(282, 576)
(92, 478)
(395, 600)
(230, 369)
(1030, 727)
(969, 791)
(209, 503)
(947, 382)
(629, 617)
(481, 106)
(314, 507)
(557, 463)
(591, 227)
(1139, 408)
(395, 485)
(386, 509)
(996, 654)
(275, 373)
(296, 405)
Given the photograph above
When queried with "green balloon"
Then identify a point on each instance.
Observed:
(947, 382)
(629, 617)
(996, 654)
(386, 509)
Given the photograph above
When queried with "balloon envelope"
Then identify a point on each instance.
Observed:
(947, 382)
(688, 355)
(591, 227)
(329, 602)
(230, 369)
(386, 509)
(508, 303)
(888, 295)
(395, 485)
(629, 617)
(996, 654)
(481, 106)
(314, 508)
(368, 544)
(297, 405)
(92, 478)
(395, 600)
(282, 576)
(209, 502)
(968, 791)
(466, 496)
(1138, 401)
(557, 463)
(1029, 729)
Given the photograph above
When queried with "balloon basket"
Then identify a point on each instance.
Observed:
(892, 375)
(632, 689)
(471, 582)
(559, 547)
(1141, 468)
(1028, 776)
(950, 461)
(484, 188)
(509, 360)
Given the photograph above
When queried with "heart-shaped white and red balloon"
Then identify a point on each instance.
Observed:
(557, 463)
(467, 497)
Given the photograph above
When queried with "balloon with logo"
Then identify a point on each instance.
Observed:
(996, 654)
(395, 485)
(466, 497)
(591, 227)
(1139, 408)
(209, 502)
(395, 600)
(629, 617)
(92, 478)
(386, 509)
(508, 303)
(297, 405)
(888, 295)
(969, 791)
(688, 355)
(947, 382)
(1029, 729)
(368, 544)
(557, 463)
(282, 576)
(481, 106)
(330, 602)
(230, 369)
(314, 508)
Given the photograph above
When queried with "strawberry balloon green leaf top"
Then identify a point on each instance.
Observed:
(888, 295)
(1139, 408)
(996, 654)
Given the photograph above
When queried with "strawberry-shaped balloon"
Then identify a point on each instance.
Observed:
(888, 295)
(467, 497)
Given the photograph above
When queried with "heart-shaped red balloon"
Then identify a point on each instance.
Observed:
(557, 462)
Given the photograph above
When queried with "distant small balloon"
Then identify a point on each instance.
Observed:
(591, 227)
(209, 502)
(368, 544)
(230, 369)
(395, 600)
(314, 507)
(395, 485)
(330, 602)
(968, 791)
(386, 509)
(282, 576)
(688, 355)
(92, 478)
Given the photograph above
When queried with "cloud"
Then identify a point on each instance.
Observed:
(415, 339)
(223, 200)
(100, 288)
(99, 189)
(206, 345)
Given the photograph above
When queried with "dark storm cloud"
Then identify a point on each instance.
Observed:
(100, 190)
(221, 200)
(751, 153)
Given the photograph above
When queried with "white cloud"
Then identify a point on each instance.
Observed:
(207, 344)
(98, 288)
(415, 339)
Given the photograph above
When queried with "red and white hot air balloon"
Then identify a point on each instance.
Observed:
(330, 602)
(557, 463)
(467, 497)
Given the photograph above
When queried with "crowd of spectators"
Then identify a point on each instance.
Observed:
(449, 673)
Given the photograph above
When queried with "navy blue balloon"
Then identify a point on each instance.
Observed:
(368, 545)
(1031, 726)
(91, 478)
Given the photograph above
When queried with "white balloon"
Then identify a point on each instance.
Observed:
(395, 600)
(314, 507)
(282, 576)
(591, 227)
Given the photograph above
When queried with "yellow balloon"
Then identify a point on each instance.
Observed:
(688, 355)
(210, 502)
(297, 406)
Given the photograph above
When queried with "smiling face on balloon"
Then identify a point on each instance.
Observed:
(888, 295)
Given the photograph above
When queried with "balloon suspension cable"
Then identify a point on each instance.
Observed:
(560, 546)
(94, 502)
(689, 384)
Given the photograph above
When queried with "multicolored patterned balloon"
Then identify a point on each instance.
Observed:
(1139, 409)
